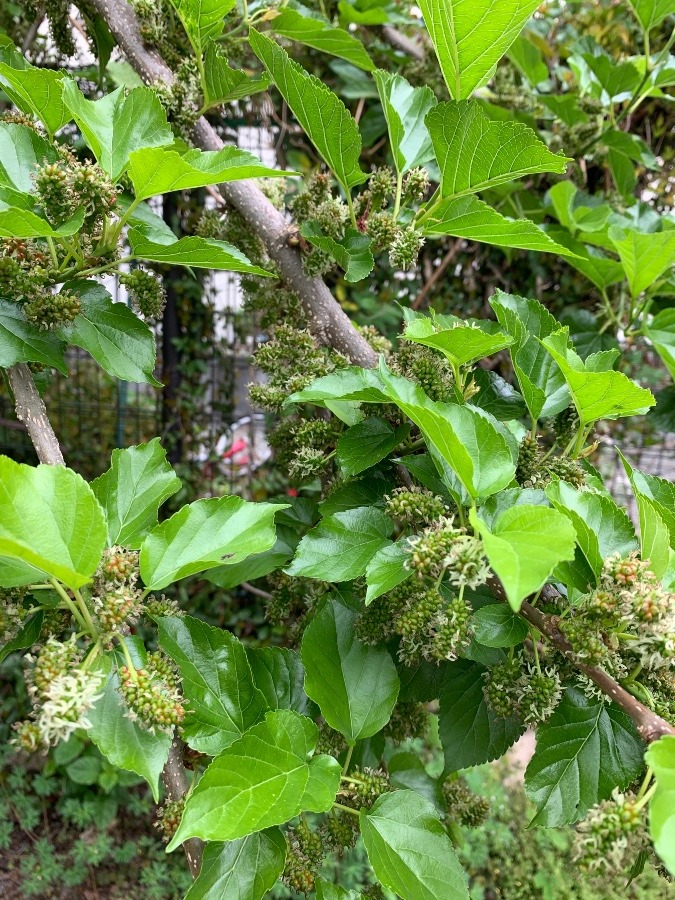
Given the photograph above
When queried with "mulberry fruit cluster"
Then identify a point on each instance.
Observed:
(304, 857)
(151, 701)
(533, 470)
(443, 550)
(611, 836)
(415, 506)
(427, 368)
(515, 688)
(146, 293)
(462, 804)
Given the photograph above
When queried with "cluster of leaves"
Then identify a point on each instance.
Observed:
(451, 502)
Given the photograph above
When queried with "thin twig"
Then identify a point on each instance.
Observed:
(252, 589)
(449, 258)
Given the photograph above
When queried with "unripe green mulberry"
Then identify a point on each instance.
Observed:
(539, 696)
(339, 831)
(452, 631)
(118, 565)
(162, 606)
(405, 249)
(151, 700)
(210, 224)
(415, 506)
(586, 644)
(54, 194)
(427, 368)
(146, 292)
(409, 719)
(566, 469)
(28, 736)
(168, 818)
(381, 186)
(382, 230)
(48, 311)
(331, 216)
(565, 425)
(415, 186)
(529, 456)
(501, 687)
(116, 609)
(463, 805)
(611, 836)
(367, 785)
(54, 659)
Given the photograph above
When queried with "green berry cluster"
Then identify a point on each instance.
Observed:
(339, 832)
(318, 205)
(444, 550)
(425, 367)
(182, 98)
(146, 293)
(405, 248)
(65, 186)
(58, 15)
(409, 720)
(533, 469)
(611, 836)
(462, 804)
(302, 446)
(362, 787)
(55, 658)
(118, 566)
(150, 699)
(13, 613)
(162, 606)
(415, 506)
(292, 599)
(168, 818)
(304, 857)
(377, 213)
(116, 610)
(517, 689)
(330, 741)
(291, 360)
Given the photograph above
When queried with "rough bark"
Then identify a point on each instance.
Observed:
(32, 412)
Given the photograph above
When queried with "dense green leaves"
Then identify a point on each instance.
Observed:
(279, 675)
(118, 124)
(661, 332)
(405, 109)
(124, 742)
(351, 253)
(138, 481)
(340, 547)
(321, 36)
(51, 525)
(471, 218)
(462, 341)
(596, 394)
(36, 91)
(470, 37)
(471, 733)
(200, 253)
(524, 545)
(409, 849)
(223, 701)
(602, 528)
(265, 778)
(354, 685)
(159, 170)
(366, 443)
(475, 152)
(116, 338)
(205, 534)
(321, 113)
(660, 757)
(644, 257)
(245, 869)
(21, 341)
(585, 750)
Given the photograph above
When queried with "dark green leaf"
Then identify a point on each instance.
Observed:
(280, 676)
(366, 443)
(352, 253)
(245, 869)
(21, 341)
(498, 626)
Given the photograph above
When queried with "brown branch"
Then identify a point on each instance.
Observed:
(176, 785)
(327, 321)
(400, 41)
(32, 412)
(650, 726)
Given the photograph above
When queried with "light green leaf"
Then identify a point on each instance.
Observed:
(197, 252)
(590, 261)
(585, 750)
(223, 84)
(202, 20)
(523, 547)
(327, 891)
(340, 547)
(655, 535)
(470, 218)
(475, 152)
(223, 701)
(661, 493)
(473, 444)
(21, 152)
(471, 733)
(596, 395)
(602, 527)
(118, 124)
(159, 170)
(409, 849)
(265, 778)
(577, 211)
(660, 757)
(471, 36)
(661, 332)
(366, 443)
(205, 534)
(386, 570)
(322, 115)
(21, 341)
(279, 674)
(245, 869)
(138, 481)
(22, 223)
(542, 383)
(644, 257)
(462, 341)
(354, 685)
(121, 740)
(528, 58)
(115, 337)
(495, 625)
(51, 525)
(352, 383)
(651, 13)
(352, 253)
(321, 36)
(405, 108)
(36, 91)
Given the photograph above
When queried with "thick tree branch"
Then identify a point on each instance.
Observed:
(31, 411)
(327, 321)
